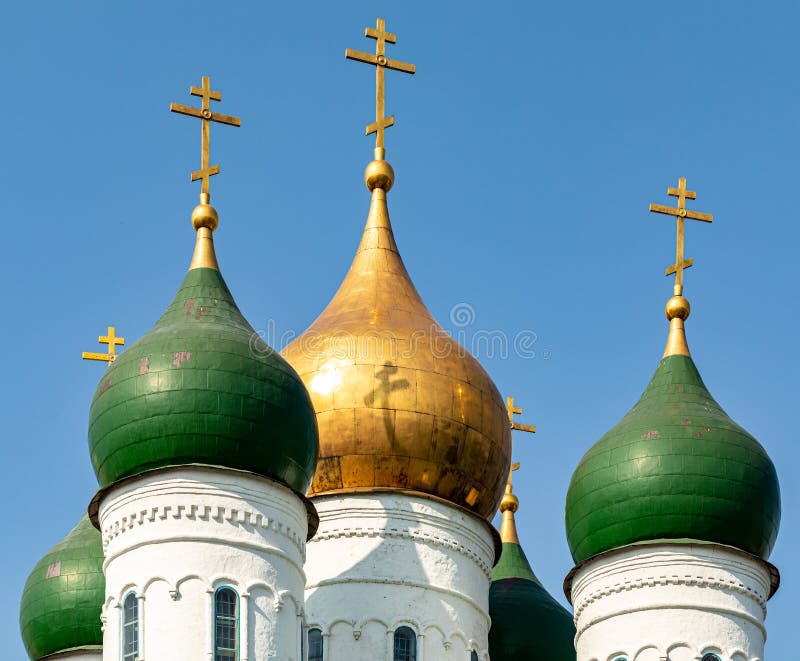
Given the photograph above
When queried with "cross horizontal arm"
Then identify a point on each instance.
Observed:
(676, 192)
(360, 56)
(210, 172)
(210, 116)
(369, 58)
(90, 355)
(385, 123)
(674, 268)
(372, 33)
(199, 91)
(520, 427)
(683, 213)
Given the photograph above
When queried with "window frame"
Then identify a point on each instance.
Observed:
(710, 656)
(321, 656)
(237, 622)
(473, 655)
(124, 623)
(413, 633)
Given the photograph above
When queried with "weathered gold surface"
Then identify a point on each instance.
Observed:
(112, 341)
(381, 63)
(678, 308)
(399, 403)
(508, 506)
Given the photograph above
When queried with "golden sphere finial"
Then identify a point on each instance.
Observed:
(379, 174)
(204, 215)
(510, 502)
(677, 308)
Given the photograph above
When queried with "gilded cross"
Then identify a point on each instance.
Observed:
(112, 341)
(515, 466)
(381, 63)
(681, 213)
(205, 115)
(516, 410)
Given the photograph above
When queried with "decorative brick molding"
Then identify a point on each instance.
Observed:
(404, 533)
(729, 585)
(235, 516)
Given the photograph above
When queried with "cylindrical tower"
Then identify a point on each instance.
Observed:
(671, 517)
(204, 442)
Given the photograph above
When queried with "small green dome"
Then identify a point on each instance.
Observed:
(202, 388)
(527, 623)
(63, 596)
(675, 467)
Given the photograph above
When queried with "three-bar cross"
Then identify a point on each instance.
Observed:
(681, 213)
(204, 113)
(381, 63)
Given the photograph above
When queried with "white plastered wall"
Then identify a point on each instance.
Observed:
(384, 560)
(174, 536)
(671, 602)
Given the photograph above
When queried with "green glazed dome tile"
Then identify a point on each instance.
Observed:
(675, 467)
(63, 596)
(527, 623)
(202, 388)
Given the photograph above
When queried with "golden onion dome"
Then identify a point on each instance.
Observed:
(400, 405)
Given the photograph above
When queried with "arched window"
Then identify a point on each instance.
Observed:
(710, 656)
(226, 625)
(473, 656)
(130, 628)
(314, 645)
(405, 645)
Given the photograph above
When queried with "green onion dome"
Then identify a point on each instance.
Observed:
(202, 388)
(675, 467)
(63, 596)
(527, 623)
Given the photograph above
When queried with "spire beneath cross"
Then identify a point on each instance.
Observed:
(381, 63)
(112, 341)
(681, 213)
(205, 115)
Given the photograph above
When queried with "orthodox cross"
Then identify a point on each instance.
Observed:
(112, 341)
(681, 213)
(207, 95)
(516, 410)
(381, 63)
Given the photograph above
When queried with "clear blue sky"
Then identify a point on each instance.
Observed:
(527, 149)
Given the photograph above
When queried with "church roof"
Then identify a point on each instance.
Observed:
(527, 622)
(676, 466)
(201, 387)
(63, 596)
(400, 405)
